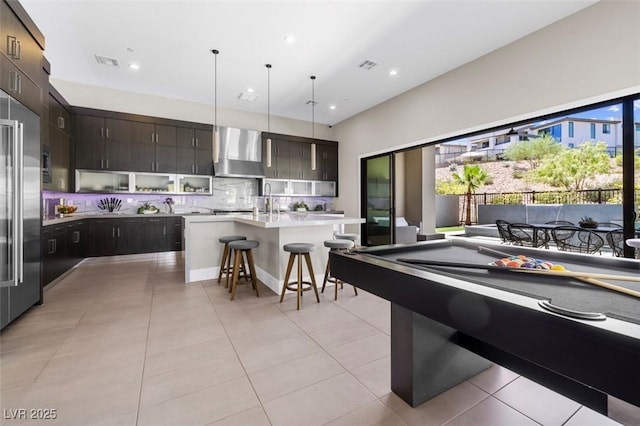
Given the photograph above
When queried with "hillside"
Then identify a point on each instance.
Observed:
(501, 173)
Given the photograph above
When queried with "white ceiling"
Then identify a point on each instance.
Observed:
(172, 42)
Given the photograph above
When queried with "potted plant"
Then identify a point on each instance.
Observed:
(147, 208)
(587, 222)
(300, 206)
(169, 203)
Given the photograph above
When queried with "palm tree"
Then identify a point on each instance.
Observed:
(472, 177)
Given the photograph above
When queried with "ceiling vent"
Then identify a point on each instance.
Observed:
(107, 61)
(248, 97)
(367, 64)
(310, 102)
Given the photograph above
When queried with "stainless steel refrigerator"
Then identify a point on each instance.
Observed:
(19, 209)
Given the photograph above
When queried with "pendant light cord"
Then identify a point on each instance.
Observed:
(268, 97)
(215, 90)
(313, 105)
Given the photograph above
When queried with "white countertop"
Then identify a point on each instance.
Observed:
(285, 220)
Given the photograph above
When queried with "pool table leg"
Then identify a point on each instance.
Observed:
(425, 357)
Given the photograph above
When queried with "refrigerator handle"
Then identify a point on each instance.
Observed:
(19, 142)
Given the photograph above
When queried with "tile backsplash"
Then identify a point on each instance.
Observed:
(228, 193)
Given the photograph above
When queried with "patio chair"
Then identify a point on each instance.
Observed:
(560, 222)
(523, 234)
(503, 230)
(615, 239)
(575, 239)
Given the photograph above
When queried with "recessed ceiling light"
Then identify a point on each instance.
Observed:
(134, 66)
(250, 90)
(332, 107)
(290, 38)
(393, 72)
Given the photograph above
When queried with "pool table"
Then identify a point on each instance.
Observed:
(449, 323)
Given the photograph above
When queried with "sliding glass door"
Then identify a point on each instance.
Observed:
(378, 200)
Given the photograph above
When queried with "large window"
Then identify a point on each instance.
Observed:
(606, 128)
(593, 131)
(571, 129)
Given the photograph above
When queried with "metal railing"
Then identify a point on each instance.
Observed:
(587, 196)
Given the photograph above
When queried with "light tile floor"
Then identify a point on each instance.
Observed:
(123, 341)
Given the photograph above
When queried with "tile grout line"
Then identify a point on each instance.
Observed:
(144, 356)
(237, 355)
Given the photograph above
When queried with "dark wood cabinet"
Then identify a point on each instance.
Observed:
(127, 236)
(102, 143)
(114, 236)
(280, 154)
(300, 161)
(327, 162)
(21, 73)
(111, 236)
(17, 84)
(153, 147)
(291, 158)
(76, 243)
(195, 151)
(153, 235)
(57, 141)
(174, 233)
(53, 252)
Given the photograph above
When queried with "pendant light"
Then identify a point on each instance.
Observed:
(313, 122)
(268, 148)
(216, 131)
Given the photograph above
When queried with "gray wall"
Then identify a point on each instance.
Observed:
(541, 213)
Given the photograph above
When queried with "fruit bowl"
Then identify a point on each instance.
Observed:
(66, 210)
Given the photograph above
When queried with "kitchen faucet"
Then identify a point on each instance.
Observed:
(267, 191)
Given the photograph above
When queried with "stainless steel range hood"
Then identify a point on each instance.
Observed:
(240, 154)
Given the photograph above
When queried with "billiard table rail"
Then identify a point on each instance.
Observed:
(585, 360)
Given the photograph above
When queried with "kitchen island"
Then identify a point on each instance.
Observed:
(202, 251)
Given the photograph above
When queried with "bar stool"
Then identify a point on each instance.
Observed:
(237, 248)
(298, 250)
(347, 236)
(225, 263)
(335, 245)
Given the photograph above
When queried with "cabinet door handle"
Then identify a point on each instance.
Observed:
(102, 132)
(19, 78)
(13, 81)
(152, 165)
(196, 168)
(76, 237)
(157, 168)
(18, 52)
(52, 247)
(107, 133)
(113, 232)
(118, 232)
(61, 122)
(157, 138)
(196, 141)
(192, 169)
(164, 230)
(107, 163)
(11, 46)
(102, 163)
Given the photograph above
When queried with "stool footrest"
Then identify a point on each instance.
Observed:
(293, 286)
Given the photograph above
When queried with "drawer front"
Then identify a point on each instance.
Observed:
(18, 85)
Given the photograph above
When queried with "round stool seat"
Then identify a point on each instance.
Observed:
(243, 244)
(299, 247)
(338, 244)
(230, 238)
(352, 237)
